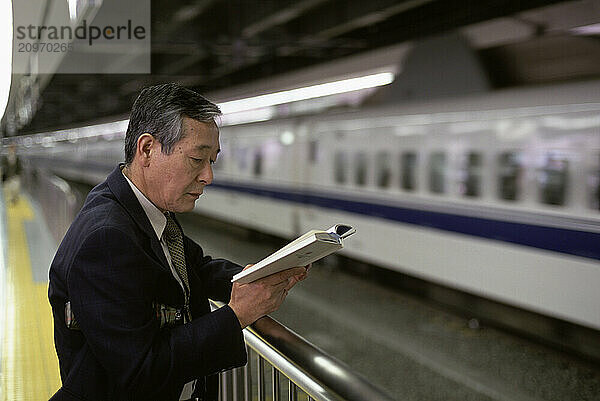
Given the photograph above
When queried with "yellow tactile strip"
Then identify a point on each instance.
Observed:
(29, 364)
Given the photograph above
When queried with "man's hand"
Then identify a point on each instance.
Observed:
(254, 300)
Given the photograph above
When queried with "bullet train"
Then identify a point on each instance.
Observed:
(495, 194)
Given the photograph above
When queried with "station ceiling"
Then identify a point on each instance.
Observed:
(210, 45)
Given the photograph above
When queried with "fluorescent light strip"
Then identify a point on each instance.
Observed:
(309, 92)
(73, 10)
(593, 29)
(264, 114)
(237, 106)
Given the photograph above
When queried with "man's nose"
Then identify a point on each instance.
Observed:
(206, 175)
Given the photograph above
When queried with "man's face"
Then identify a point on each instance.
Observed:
(175, 181)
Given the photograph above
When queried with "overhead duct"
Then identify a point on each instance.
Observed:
(436, 67)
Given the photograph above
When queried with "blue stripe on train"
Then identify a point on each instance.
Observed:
(573, 242)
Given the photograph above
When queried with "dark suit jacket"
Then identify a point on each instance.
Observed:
(112, 269)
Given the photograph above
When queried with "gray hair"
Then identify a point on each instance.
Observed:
(159, 110)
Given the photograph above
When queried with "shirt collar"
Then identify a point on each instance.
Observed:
(156, 217)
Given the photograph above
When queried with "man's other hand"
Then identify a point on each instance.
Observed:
(254, 300)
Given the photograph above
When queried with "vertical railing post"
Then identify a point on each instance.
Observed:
(221, 387)
(238, 384)
(293, 392)
(234, 382)
(247, 383)
(261, 379)
(275, 384)
(224, 392)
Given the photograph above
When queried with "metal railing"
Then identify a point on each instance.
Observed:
(58, 201)
(291, 368)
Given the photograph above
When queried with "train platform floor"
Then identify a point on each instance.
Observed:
(29, 366)
(405, 345)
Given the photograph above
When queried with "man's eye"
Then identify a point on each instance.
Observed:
(196, 160)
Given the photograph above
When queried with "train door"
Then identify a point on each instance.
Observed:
(593, 182)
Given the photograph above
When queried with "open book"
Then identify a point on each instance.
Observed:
(304, 250)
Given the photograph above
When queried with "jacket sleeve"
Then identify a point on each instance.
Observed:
(111, 285)
(215, 274)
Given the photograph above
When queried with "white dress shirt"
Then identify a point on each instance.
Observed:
(158, 222)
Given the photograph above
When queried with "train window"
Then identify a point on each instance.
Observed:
(408, 178)
(553, 179)
(313, 147)
(360, 177)
(437, 172)
(471, 175)
(257, 165)
(594, 185)
(241, 157)
(509, 172)
(340, 162)
(384, 170)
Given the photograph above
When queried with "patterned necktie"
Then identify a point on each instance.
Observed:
(174, 239)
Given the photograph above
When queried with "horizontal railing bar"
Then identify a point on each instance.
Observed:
(302, 380)
(319, 375)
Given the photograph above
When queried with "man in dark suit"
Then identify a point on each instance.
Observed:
(129, 292)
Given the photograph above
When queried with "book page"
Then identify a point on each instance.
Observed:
(309, 247)
(297, 240)
(301, 252)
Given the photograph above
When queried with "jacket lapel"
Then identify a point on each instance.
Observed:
(124, 194)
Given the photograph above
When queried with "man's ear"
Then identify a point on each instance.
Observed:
(145, 147)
